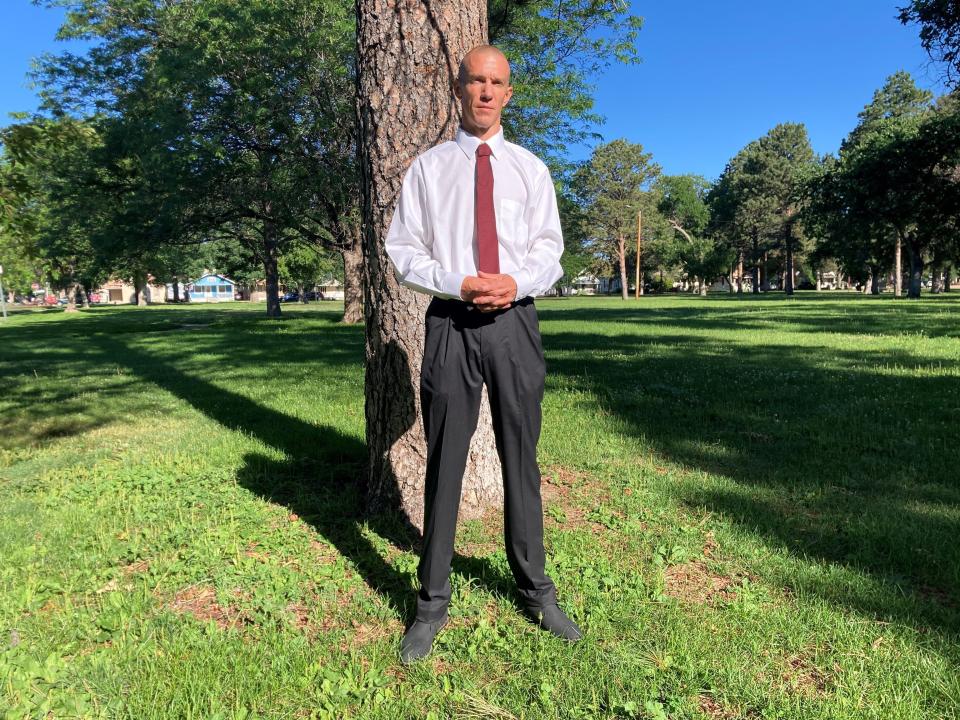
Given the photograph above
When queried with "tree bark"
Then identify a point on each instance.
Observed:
(788, 271)
(270, 273)
(622, 256)
(740, 274)
(898, 268)
(176, 290)
(875, 281)
(408, 52)
(916, 269)
(352, 274)
(72, 297)
(936, 279)
(947, 278)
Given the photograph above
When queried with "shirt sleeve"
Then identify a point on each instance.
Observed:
(541, 269)
(409, 242)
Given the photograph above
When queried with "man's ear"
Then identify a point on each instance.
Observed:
(509, 94)
(456, 89)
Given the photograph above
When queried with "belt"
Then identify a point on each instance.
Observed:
(453, 303)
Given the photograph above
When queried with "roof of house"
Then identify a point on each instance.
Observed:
(212, 279)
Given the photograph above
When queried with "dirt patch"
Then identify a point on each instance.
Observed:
(201, 603)
(694, 582)
(713, 709)
(559, 475)
(365, 633)
(803, 677)
(323, 553)
(140, 566)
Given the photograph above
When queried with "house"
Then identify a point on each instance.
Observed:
(331, 289)
(121, 292)
(585, 284)
(212, 288)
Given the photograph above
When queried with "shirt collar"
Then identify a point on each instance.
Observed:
(469, 143)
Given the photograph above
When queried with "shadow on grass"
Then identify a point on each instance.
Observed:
(808, 312)
(843, 456)
(320, 478)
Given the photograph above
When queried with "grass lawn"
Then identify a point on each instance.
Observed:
(752, 509)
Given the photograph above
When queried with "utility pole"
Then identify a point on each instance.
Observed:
(638, 291)
(3, 296)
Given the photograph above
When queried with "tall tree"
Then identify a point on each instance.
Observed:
(53, 207)
(408, 55)
(238, 113)
(877, 169)
(683, 206)
(755, 203)
(613, 186)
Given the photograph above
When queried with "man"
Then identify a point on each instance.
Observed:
(477, 227)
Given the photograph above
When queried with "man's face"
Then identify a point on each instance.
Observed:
(483, 89)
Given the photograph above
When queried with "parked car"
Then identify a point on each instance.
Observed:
(290, 297)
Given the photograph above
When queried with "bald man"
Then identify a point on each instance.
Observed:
(477, 228)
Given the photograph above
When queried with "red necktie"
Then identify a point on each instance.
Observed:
(488, 250)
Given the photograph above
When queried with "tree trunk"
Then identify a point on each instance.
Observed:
(916, 269)
(270, 274)
(407, 57)
(622, 256)
(176, 290)
(898, 268)
(875, 281)
(947, 278)
(352, 291)
(72, 297)
(936, 278)
(819, 280)
(740, 274)
(788, 270)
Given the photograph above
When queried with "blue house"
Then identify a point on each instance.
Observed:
(212, 288)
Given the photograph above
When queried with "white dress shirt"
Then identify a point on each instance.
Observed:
(432, 237)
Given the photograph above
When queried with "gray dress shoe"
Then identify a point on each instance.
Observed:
(418, 640)
(553, 619)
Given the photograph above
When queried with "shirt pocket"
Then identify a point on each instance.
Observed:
(511, 224)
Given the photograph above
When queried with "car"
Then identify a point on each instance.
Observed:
(290, 297)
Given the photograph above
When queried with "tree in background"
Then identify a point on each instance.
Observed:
(939, 22)
(874, 191)
(613, 186)
(303, 267)
(555, 49)
(741, 216)
(683, 206)
(52, 206)
(755, 203)
(233, 113)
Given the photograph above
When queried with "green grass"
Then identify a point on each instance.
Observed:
(752, 508)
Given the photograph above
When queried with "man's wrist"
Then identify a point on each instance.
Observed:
(452, 285)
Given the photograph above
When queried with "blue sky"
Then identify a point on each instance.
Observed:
(714, 76)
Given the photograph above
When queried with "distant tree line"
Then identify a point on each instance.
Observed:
(887, 205)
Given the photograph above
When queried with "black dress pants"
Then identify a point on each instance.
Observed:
(465, 348)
